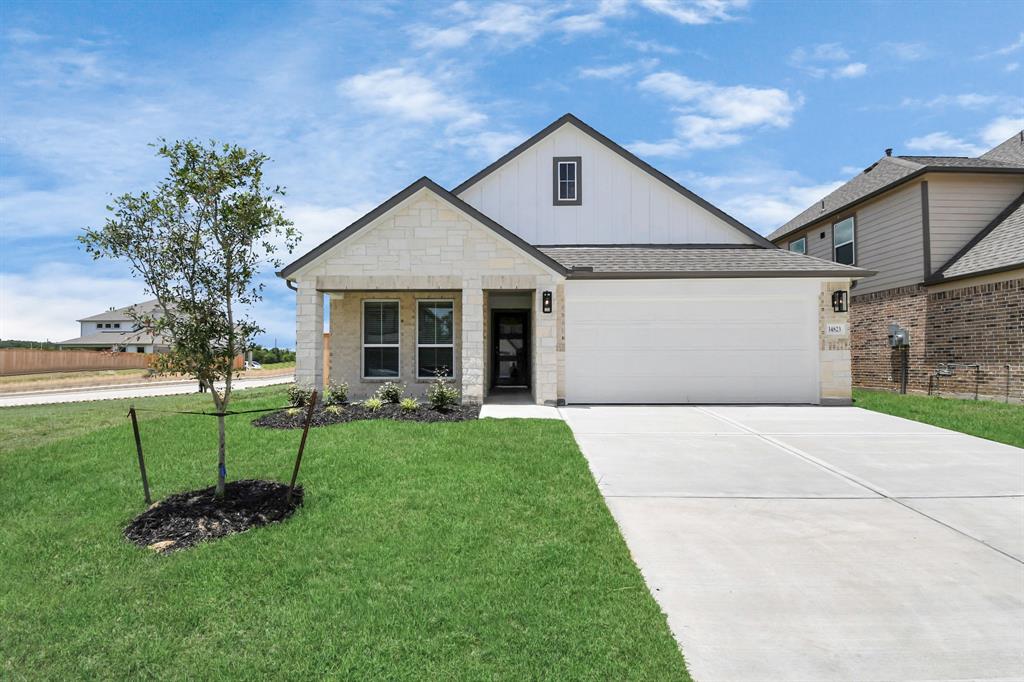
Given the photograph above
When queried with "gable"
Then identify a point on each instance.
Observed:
(624, 200)
(422, 231)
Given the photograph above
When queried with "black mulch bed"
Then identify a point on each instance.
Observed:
(325, 416)
(185, 519)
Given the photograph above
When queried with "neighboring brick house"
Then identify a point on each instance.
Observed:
(571, 269)
(945, 236)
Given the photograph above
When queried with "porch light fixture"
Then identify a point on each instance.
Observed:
(839, 303)
(545, 298)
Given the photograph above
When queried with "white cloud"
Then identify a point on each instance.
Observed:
(43, 303)
(651, 46)
(1011, 67)
(489, 144)
(712, 116)
(825, 60)
(508, 22)
(907, 52)
(852, 70)
(943, 144)
(697, 12)
(1001, 129)
(317, 224)
(967, 100)
(617, 70)
(591, 22)
(1007, 50)
(410, 96)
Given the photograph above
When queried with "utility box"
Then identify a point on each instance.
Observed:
(898, 336)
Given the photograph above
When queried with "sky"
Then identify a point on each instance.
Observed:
(759, 107)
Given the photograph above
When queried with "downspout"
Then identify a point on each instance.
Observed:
(291, 285)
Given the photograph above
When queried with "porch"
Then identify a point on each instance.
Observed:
(494, 336)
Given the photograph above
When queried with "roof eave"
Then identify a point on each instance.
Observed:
(938, 279)
(891, 186)
(719, 274)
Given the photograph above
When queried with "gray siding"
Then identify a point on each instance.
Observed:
(962, 205)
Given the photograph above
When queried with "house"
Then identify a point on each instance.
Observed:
(116, 330)
(945, 236)
(574, 270)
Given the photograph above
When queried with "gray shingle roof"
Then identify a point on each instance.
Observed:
(999, 246)
(891, 170)
(1011, 151)
(694, 261)
(122, 314)
(119, 338)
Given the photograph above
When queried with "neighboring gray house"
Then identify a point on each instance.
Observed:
(116, 330)
(945, 236)
(571, 269)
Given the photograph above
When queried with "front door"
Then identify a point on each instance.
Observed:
(510, 348)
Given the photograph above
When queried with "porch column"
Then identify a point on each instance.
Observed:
(309, 335)
(472, 365)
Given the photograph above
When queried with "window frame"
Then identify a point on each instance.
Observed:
(419, 345)
(555, 185)
(797, 241)
(852, 242)
(362, 339)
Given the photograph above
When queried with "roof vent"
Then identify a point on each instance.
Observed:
(888, 152)
(822, 204)
(583, 268)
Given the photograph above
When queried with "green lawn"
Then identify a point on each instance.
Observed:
(984, 418)
(472, 550)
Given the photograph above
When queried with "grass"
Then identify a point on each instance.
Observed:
(996, 421)
(441, 551)
(276, 365)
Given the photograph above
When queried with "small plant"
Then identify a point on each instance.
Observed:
(409, 404)
(336, 394)
(293, 411)
(373, 404)
(391, 392)
(299, 395)
(441, 394)
(333, 409)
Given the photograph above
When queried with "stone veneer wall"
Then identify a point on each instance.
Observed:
(975, 324)
(834, 370)
(346, 339)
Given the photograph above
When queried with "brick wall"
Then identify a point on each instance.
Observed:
(979, 324)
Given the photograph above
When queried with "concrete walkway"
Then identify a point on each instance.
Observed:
(116, 392)
(807, 543)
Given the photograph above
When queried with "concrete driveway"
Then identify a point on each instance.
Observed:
(816, 543)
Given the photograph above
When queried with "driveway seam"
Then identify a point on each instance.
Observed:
(854, 479)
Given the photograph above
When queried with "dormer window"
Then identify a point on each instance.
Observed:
(567, 172)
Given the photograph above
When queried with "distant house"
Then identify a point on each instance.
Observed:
(116, 330)
(945, 236)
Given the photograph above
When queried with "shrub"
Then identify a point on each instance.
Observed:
(373, 404)
(336, 394)
(409, 404)
(441, 394)
(299, 395)
(333, 409)
(391, 392)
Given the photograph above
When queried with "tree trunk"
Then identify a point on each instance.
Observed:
(221, 469)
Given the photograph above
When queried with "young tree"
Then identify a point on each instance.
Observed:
(197, 241)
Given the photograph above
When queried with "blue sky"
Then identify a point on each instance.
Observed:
(760, 107)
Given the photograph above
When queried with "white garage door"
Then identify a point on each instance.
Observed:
(692, 341)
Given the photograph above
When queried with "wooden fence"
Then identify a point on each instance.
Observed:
(32, 361)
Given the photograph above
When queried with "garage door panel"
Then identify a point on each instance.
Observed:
(678, 341)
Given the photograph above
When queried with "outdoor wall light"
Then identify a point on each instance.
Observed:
(839, 304)
(545, 298)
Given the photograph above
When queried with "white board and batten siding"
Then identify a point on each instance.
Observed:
(621, 203)
(692, 341)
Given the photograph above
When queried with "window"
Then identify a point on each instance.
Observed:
(435, 339)
(380, 339)
(798, 245)
(140, 349)
(117, 325)
(842, 241)
(567, 175)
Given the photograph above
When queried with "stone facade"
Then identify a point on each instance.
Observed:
(972, 324)
(418, 249)
(834, 376)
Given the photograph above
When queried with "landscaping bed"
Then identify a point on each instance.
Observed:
(186, 519)
(338, 414)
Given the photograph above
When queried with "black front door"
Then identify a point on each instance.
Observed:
(510, 348)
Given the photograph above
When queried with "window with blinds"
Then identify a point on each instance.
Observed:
(435, 339)
(380, 339)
